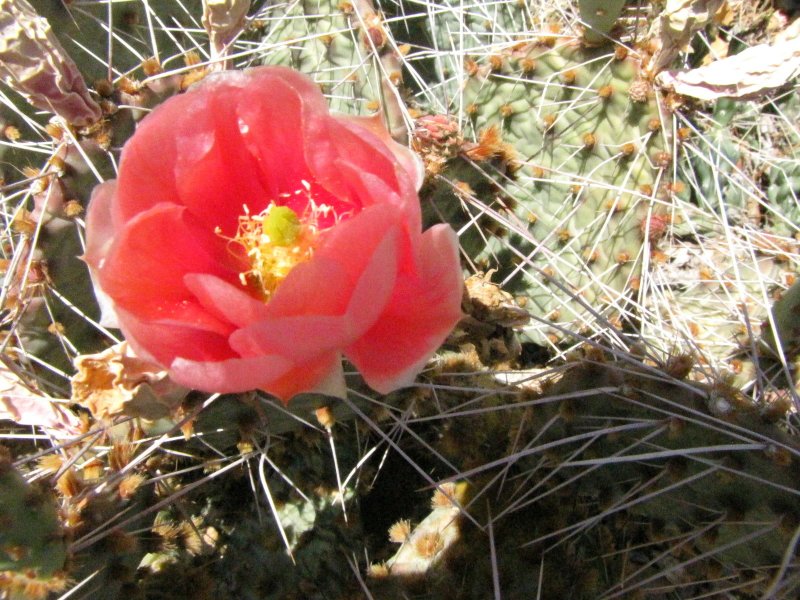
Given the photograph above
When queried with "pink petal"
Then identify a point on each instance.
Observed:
(274, 127)
(342, 143)
(100, 234)
(162, 342)
(299, 294)
(325, 285)
(146, 169)
(375, 191)
(409, 160)
(100, 228)
(19, 404)
(145, 267)
(367, 248)
(225, 301)
(189, 151)
(216, 175)
(420, 314)
(298, 338)
(324, 376)
(229, 376)
(333, 384)
(375, 285)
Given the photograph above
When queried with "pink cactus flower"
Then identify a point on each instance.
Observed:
(252, 240)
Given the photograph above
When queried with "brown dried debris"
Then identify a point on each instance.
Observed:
(117, 382)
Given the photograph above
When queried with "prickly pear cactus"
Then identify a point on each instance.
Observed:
(784, 191)
(586, 177)
(563, 168)
(783, 170)
(601, 458)
(34, 551)
(731, 250)
(784, 336)
(132, 31)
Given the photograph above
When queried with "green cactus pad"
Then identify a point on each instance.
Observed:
(30, 532)
(591, 168)
(344, 46)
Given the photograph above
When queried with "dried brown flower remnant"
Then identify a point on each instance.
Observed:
(33, 63)
(117, 382)
(223, 20)
(488, 303)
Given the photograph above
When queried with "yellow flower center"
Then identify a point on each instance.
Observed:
(275, 241)
(278, 239)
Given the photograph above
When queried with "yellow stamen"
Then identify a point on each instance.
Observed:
(275, 241)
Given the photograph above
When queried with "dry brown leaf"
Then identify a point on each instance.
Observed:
(223, 20)
(117, 382)
(753, 71)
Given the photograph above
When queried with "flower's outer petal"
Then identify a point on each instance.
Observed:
(101, 230)
(302, 337)
(300, 292)
(144, 269)
(376, 282)
(190, 151)
(339, 143)
(408, 159)
(225, 301)
(420, 314)
(146, 170)
(215, 173)
(333, 384)
(324, 375)
(370, 186)
(162, 342)
(100, 233)
(297, 338)
(230, 376)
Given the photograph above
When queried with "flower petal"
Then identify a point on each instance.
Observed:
(230, 376)
(420, 314)
(340, 143)
(162, 342)
(367, 185)
(99, 222)
(409, 160)
(366, 250)
(325, 285)
(145, 267)
(298, 338)
(275, 131)
(225, 301)
(323, 376)
(215, 173)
